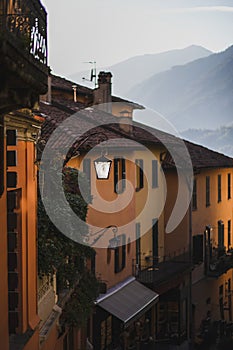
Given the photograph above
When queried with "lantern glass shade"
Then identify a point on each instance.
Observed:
(102, 168)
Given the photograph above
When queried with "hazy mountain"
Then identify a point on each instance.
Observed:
(220, 139)
(132, 71)
(196, 95)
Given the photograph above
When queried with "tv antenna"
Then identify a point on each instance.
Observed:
(93, 77)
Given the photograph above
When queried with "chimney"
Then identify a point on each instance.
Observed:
(48, 96)
(103, 93)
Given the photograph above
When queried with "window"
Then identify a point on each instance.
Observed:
(120, 254)
(155, 241)
(207, 191)
(87, 168)
(138, 243)
(229, 299)
(11, 137)
(197, 249)
(154, 173)
(1, 156)
(219, 188)
(139, 174)
(194, 198)
(11, 158)
(221, 305)
(229, 233)
(228, 186)
(220, 234)
(119, 175)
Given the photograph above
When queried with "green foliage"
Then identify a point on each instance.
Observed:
(57, 253)
(78, 309)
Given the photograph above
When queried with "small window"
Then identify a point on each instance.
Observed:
(219, 188)
(11, 179)
(197, 249)
(119, 175)
(229, 233)
(220, 234)
(229, 186)
(11, 158)
(11, 137)
(120, 254)
(155, 241)
(194, 198)
(207, 191)
(138, 243)
(139, 174)
(154, 173)
(1, 156)
(221, 289)
(87, 168)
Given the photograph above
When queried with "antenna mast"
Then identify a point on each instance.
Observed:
(93, 77)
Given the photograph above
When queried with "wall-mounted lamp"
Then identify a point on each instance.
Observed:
(102, 168)
(113, 243)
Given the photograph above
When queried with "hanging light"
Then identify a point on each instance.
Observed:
(102, 167)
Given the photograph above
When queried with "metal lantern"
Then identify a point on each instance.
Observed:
(102, 168)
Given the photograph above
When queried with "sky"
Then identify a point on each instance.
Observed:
(110, 31)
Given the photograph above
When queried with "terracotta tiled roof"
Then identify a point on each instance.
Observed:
(202, 158)
(90, 118)
(65, 84)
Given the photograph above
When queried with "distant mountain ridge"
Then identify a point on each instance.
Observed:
(198, 94)
(134, 70)
(220, 139)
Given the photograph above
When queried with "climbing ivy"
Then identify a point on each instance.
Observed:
(63, 256)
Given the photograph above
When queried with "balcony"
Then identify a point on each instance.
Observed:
(218, 261)
(23, 53)
(165, 272)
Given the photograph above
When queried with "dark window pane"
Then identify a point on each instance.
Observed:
(154, 173)
(207, 191)
(11, 137)
(139, 174)
(219, 188)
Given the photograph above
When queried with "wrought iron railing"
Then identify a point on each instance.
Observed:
(161, 270)
(218, 261)
(25, 28)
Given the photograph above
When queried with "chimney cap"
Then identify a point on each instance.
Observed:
(104, 77)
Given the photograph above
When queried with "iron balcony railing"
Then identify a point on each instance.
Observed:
(218, 261)
(157, 271)
(24, 26)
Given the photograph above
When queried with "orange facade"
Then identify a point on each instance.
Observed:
(3, 256)
(212, 276)
(19, 252)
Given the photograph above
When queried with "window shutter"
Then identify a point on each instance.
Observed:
(115, 174)
(123, 174)
(123, 250)
(117, 260)
(154, 173)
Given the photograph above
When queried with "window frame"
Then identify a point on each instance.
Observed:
(219, 188)
(207, 191)
(138, 243)
(229, 186)
(194, 195)
(229, 233)
(119, 174)
(139, 163)
(155, 174)
(120, 254)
